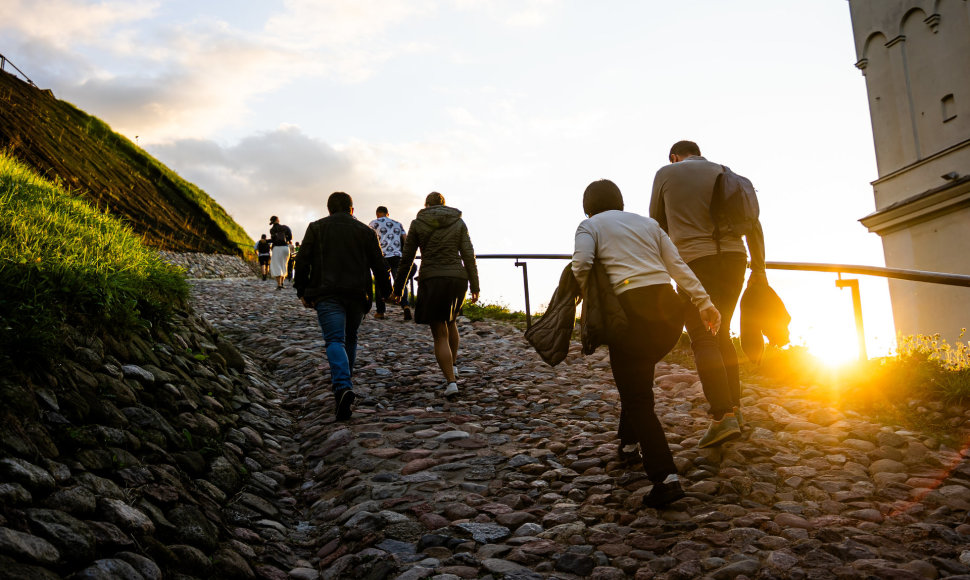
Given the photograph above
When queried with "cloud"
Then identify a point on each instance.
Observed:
(287, 173)
(512, 13)
(63, 23)
(164, 79)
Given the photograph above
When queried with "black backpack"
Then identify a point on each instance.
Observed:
(278, 235)
(734, 206)
(262, 247)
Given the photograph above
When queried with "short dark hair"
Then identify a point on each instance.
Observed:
(264, 237)
(339, 202)
(600, 196)
(685, 148)
(382, 209)
(434, 198)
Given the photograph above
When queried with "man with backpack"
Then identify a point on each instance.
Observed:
(263, 253)
(710, 242)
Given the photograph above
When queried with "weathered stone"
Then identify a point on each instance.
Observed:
(193, 528)
(27, 547)
(70, 536)
(125, 516)
(34, 478)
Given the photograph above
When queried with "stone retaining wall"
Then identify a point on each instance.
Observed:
(156, 454)
(198, 265)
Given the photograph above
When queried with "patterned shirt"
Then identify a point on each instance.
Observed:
(389, 232)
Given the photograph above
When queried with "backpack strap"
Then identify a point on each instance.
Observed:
(717, 199)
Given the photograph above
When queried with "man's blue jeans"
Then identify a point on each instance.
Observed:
(339, 321)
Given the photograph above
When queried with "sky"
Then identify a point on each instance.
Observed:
(507, 107)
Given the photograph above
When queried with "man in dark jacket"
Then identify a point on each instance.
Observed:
(333, 276)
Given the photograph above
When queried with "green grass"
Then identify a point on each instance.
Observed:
(100, 131)
(62, 261)
(63, 143)
(481, 311)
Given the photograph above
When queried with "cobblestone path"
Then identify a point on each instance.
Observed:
(518, 477)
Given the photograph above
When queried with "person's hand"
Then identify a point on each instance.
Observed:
(758, 278)
(307, 303)
(711, 319)
(474, 298)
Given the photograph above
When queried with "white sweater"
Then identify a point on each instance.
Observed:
(635, 252)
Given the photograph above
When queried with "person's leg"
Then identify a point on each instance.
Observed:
(443, 352)
(355, 315)
(733, 267)
(707, 352)
(333, 324)
(633, 374)
(453, 340)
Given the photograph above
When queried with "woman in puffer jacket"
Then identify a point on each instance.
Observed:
(448, 268)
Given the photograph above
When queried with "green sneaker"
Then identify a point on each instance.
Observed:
(721, 431)
(740, 417)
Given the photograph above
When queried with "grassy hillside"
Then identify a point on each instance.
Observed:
(81, 152)
(65, 262)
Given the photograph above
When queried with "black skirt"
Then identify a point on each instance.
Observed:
(439, 299)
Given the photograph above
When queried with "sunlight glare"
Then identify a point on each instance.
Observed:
(831, 345)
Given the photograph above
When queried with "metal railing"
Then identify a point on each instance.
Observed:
(4, 61)
(839, 269)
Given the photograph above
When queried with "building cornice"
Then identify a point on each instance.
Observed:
(921, 207)
(924, 161)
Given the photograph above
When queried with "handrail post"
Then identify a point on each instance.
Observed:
(525, 283)
(857, 310)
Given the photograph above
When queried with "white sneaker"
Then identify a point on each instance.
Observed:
(451, 390)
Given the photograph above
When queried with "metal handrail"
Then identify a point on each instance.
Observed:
(5, 61)
(839, 269)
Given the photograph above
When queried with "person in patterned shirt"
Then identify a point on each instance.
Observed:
(391, 235)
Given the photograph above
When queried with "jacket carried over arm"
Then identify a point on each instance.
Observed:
(446, 248)
(337, 258)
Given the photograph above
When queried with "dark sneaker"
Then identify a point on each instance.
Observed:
(379, 316)
(407, 313)
(345, 400)
(663, 494)
(721, 431)
(629, 455)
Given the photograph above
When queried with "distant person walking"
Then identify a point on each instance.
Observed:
(448, 267)
(392, 236)
(281, 237)
(333, 276)
(681, 203)
(639, 260)
(291, 264)
(263, 252)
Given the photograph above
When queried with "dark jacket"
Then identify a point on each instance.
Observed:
(446, 249)
(336, 259)
(763, 314)
(550, 335)
(603, 318)
(280, 235)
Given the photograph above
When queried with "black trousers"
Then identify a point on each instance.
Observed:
(393, 263)
(722, 275)
(656, 322)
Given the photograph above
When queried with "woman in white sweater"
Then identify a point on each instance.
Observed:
(640, 260)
